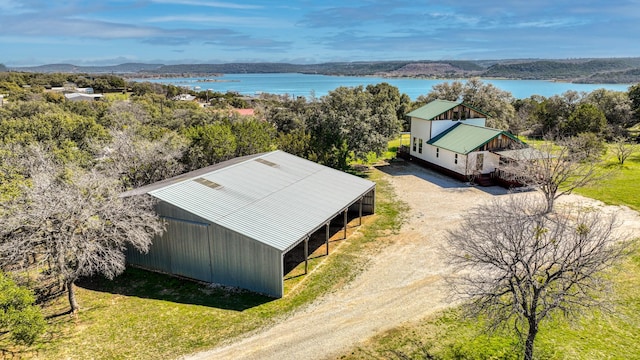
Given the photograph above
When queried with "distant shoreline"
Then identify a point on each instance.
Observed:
(582, 71)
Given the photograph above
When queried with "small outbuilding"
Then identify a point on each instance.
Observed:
(232, 223)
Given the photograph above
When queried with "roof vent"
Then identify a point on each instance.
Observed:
(208, 183)
(266, 162)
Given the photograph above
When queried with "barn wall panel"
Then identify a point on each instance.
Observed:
(243, 262)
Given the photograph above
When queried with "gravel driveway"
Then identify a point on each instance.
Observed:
(403, 283)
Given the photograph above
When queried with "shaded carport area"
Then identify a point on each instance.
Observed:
(327, 235)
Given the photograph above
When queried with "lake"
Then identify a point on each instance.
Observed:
(319, 85)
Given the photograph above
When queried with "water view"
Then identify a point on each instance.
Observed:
(319, 85)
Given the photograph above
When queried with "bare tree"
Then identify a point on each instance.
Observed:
(520, 265)
(554, 169)
(623, 149)
(71, 223)
(137, 161)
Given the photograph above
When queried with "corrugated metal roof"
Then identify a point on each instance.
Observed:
(437, 107)
(276, 205)
(433, 109)
(464, 138)
(186, 176)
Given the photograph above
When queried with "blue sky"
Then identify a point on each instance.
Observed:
(107, 32)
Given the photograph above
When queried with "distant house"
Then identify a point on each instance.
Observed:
(82, 97)
(233, 223)
(452, 137)
(86, 90)
(184, 97)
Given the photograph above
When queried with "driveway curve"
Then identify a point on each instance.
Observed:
(403, 283)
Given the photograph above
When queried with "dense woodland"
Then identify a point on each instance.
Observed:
(56, 153)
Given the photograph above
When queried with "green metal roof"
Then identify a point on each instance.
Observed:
(437, 107)
(464, 138)
(433, 109)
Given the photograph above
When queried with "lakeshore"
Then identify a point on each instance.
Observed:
(311, 85)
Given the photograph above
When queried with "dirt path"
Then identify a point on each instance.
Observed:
(404, 283)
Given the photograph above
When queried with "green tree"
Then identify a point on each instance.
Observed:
(18, 315)
(297, 142)
(253, 136)
(616, 107)
(386, 95)
(345, 124)
(525, 121)
(585, 118)
(209, 144)
(287, 115)
(634, 97)
(553, 112)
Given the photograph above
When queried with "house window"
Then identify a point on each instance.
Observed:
(414, 144)
(437, 152)
(420, 146)
(479, 162)
(455, 160)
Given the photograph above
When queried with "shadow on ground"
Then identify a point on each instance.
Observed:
(151, 285)
(400, 167)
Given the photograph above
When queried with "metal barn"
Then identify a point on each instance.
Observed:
(232, 223)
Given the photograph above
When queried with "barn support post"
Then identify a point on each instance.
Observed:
(327, 237)
(306, 255)
(345, 224)
(360, 212)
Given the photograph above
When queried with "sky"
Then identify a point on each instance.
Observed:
(110, 32)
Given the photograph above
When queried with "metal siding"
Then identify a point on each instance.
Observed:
(189, 249)
(158, 258)
(243, 262)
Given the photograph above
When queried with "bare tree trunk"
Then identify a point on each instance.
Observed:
(71, 293)
(531, 336)
(550, 202)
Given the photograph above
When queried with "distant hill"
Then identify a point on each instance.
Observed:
(573, 70)
(612, 70)
(69, 68)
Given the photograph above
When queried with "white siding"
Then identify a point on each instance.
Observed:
(489, 164)
(427, 129)
(445, 159)
(420, 129)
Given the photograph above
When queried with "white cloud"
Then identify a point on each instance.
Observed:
(216, 4)
(228, 20)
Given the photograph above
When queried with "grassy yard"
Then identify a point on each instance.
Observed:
(143, 315)
(595, 335)
(621, 185)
